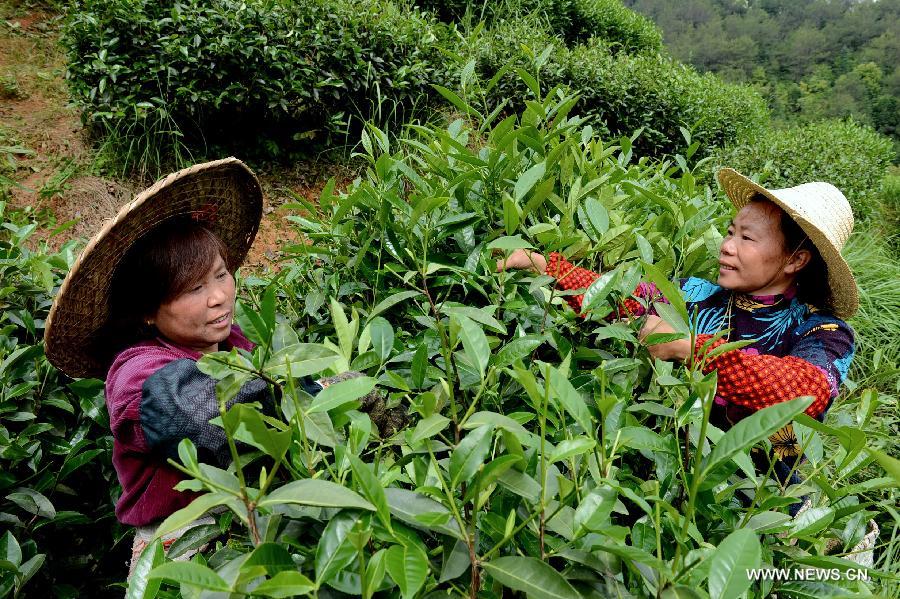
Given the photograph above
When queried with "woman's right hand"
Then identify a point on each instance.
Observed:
(523, 259)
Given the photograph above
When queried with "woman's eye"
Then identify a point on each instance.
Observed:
(746, 238)
(222, 275)
(196, 288)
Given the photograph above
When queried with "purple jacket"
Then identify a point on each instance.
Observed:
(156, 397)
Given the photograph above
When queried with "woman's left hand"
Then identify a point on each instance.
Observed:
(673, 350)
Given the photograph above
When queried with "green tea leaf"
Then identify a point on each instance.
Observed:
(739, 552)
(509, 243)
(10, 551)
(517, 349)
(407, 505)
(312, 491)
(890, 465)
(752, 429)
(429, 427)
(531, 576)
(371, 488)
(572, 447)
(669, 290)
(599, 290)
(597, 215)
(190, 573)
(528, 179)
(595, 508)
(382, 335)
(570, 399)
(337, 394)
(336, 550)
(191, 512)
(469, 455)
(285, 584)
(391, 301)
(408, 566)
(474, 342)
(247, 425)
(811, 521)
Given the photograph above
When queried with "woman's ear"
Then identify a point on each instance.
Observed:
(797, 262)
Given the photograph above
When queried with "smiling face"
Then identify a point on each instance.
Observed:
(200, 317)
(753, 258)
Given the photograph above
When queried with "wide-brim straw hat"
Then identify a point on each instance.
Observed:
(825, 216)
(223, 195)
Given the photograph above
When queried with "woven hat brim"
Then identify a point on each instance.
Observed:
(844, 300)
(225, 196)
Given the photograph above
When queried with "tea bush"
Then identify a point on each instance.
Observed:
(57, 485)
(545, 454)
(851, 156)
(623, 93)
(166, 73)
(160, 80)
(575, 21)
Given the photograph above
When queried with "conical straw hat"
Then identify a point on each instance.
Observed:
(223, 195)
(825, 216)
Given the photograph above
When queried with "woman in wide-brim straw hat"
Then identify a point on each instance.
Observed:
(782, 284)
(152, 292)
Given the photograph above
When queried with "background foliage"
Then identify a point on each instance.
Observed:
(811, 59)
(160, 80)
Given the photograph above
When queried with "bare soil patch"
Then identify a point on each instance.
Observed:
(57, 176)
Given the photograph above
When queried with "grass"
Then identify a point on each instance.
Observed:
(878, 330)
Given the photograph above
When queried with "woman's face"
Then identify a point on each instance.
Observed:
(753, 258)
(200, 318)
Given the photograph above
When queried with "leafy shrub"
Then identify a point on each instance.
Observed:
(623, 93)
(162, 74)
(575, 21)
(850, 156)
(57, 485)
(546, 454)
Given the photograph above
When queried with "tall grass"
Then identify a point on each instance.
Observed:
(878, 329)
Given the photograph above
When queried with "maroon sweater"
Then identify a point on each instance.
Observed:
(156, 396)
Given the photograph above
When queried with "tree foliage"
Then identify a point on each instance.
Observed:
(811, 59)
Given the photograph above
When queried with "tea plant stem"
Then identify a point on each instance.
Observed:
(696, 474)
(449, 364)
(239, 470)
(474, 403)
(518, 529)
(299, 415)
(543, 425)
(463, 527)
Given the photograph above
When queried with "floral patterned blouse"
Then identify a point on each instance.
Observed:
(796, 349)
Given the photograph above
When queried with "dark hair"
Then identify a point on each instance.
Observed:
(812, 280)
(157, 268)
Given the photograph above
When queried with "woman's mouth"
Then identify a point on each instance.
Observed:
(726, 267)
(221, 320)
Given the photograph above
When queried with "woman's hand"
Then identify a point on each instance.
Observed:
(523, 259)
(671, 351)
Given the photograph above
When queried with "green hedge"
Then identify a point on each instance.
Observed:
(264, 75)
(574, 20)
(215, 68)
(625, 92)
(851, 156)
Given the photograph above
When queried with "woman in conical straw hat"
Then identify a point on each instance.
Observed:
(151, 293)
(782, 284)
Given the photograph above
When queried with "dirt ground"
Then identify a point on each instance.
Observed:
(55, 166)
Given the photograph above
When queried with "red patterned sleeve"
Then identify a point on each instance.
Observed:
(758, 381)
(568, 277)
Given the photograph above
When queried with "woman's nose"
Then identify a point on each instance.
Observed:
(217, 295)
(727, 246)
